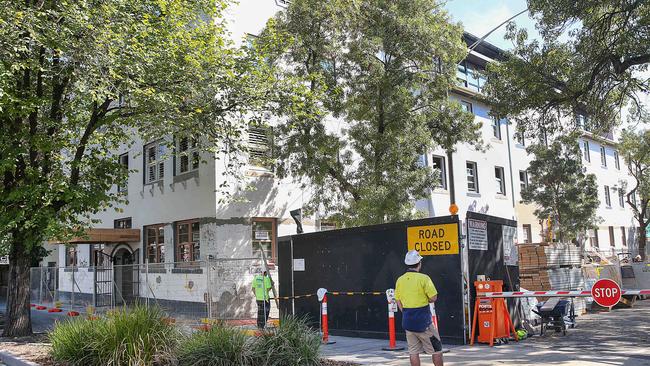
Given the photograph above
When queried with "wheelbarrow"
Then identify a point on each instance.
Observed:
(556, 314)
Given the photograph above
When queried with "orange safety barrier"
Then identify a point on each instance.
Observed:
(491, 314)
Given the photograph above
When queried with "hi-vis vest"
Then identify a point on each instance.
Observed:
(262, 285)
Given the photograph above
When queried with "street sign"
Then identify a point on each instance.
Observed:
(606, 292)
(439, 239)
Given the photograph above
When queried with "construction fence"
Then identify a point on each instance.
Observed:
(189, 292)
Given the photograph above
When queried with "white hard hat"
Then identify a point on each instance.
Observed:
(412, 257)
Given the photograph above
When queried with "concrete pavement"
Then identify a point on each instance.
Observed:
(620, 337)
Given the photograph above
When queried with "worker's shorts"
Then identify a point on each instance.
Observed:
(424, 342)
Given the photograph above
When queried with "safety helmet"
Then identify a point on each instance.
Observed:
(412, 258)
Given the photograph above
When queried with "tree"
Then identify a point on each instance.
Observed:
(378, 74)
(79, 79)
(590, 62)
(560, 189)
(634, 146)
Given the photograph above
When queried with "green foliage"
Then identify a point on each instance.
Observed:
(560, 189)
(590, 62)
(377, 75)
(634, 147)
(293, 343)
(220, 346)
(138, 336)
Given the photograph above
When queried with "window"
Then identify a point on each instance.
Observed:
(188, 241)
(154, 164)
(621, 197)
(264, 237)
(154, 238)
(608, 200)
(71, 255)
(603, 157)
(623, 236)
(500, 180)
(187, 155)
(611, 236)
(617, 162)
(97, 255)
(528, 233)
(593, 238)
(582, 122)
(519, 137)
(466, 106)
(585, 150)
(438, 162)
(122, 223)
(523, 180)
(324, 225)
(496, 128)
(469, 76)
(472, 177)
(259, 146)
(124, 162)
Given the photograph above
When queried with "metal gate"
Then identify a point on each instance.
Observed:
(103, 279)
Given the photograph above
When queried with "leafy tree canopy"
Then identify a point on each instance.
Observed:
(560, 189)
(590, 61)
(378, 74)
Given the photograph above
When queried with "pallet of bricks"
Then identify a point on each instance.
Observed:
(552, 267)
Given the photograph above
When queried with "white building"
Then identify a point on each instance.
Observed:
(174, 214)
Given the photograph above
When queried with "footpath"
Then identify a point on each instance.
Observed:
(620, 337)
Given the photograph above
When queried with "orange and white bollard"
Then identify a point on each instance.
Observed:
(434, 317)
(322, 298)
(392, 309)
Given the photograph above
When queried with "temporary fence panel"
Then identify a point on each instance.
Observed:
(491, 253)
(357, 266)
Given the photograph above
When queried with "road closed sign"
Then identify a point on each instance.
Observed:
(606, 292)
(441, 239)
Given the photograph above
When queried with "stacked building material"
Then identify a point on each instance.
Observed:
(551, 266)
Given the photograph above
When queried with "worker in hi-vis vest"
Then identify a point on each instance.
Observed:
(262, 284)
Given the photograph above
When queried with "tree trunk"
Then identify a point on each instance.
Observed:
(18, 320)
(642, 240)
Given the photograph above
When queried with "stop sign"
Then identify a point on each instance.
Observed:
(606, 292)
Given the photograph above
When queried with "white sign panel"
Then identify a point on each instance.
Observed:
(4, 259)
(299, 264)
(262, 235)
(510, 255)
(477, 234)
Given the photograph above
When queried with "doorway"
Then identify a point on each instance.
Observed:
(123, 270)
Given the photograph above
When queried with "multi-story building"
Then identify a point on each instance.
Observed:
(175, 213)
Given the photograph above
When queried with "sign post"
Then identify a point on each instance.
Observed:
(606, 293)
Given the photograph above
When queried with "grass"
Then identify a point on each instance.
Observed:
(219, 346)
(293, 343)
(134, 337)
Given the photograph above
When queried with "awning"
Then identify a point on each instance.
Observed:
(99, 236)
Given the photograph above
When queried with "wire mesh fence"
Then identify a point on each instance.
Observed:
(189, 292)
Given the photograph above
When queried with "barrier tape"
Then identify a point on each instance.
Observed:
(334, 293)
(583, 293)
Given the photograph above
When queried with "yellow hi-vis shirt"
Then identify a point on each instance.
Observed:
(262, 285)
(414, 289)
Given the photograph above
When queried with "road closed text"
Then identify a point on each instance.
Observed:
(441, 239)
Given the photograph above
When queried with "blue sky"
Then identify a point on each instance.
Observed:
(480, 16)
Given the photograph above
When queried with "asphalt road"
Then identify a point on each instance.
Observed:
(42, 321)
(620, 337)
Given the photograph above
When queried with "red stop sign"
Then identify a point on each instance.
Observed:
(606, 292)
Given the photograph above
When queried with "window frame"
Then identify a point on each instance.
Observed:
(608, 198)
(603, 156)
(93, 255)
(158, 162)
(593, 240)
(191, 152)
(621, 198)
(443, 170)
(496, 128)
(259, 150)
(523, 184)
(500, 178)
(159, 247)
(474, 176)
(178, 245)
(124, 162)
(585, 151)
(129, 220)
(623, 236)
(612, 241)
(71, 255)
(468, 106)
(617, 161)
(528, 233)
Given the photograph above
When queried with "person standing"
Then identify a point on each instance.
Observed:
(413, 293)
(262, 284)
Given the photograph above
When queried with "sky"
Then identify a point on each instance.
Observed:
(480, 16)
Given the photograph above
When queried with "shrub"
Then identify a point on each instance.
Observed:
(219, 346)
(138, 336)
(293, 343)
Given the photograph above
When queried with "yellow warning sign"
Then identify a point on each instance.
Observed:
(439, 239)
